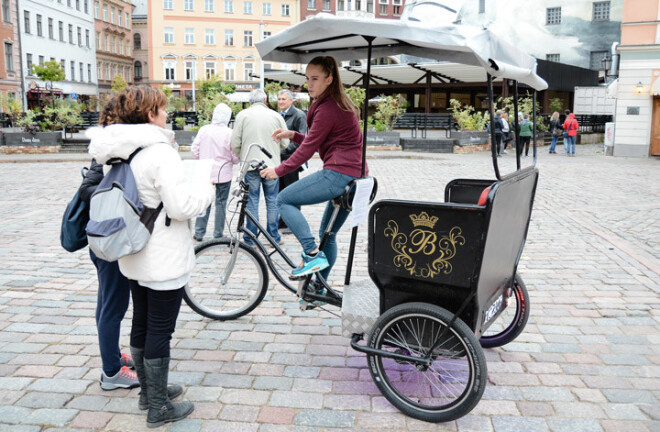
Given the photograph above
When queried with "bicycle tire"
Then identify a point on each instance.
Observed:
(507, 327)
(241, 294)
(454, 382)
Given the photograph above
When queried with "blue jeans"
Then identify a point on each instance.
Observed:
(111, 306)
(221, 194)
(316, 188)
(554, 144)
(567, 144)
(271, 188)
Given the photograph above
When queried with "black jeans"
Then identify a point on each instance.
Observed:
(524, 144)
(154, 318)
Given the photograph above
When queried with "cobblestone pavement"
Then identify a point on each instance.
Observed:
(588, 360)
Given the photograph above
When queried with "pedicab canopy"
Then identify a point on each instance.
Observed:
(348, 39)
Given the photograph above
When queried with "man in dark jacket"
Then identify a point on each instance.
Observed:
(497, 123)
(296, 120)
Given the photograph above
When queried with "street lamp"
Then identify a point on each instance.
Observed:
(606, 63)
(639, 88)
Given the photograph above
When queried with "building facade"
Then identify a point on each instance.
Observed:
(574, 32)
(140, 43)
(194, 39)
(353, 8)
(61, 30)
(10, 63)
(113, 42)
(637, 118)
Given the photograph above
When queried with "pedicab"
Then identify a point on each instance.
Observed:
(443, 275)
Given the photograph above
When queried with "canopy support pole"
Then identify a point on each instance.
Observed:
(365, 114)
(517, 123)
(493, 141)
(534, 126)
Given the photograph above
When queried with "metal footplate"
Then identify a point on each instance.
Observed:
(360, 308)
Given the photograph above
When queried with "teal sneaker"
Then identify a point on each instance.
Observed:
(310, 264)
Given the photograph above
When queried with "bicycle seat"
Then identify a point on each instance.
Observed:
(345, 200)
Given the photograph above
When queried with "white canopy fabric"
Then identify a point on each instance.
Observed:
(343, 38)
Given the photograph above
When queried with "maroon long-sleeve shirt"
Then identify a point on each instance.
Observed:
(335, 134)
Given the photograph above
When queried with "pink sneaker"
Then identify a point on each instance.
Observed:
(125, 378)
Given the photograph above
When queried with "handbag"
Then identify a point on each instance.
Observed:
(557, 132)
(76, 215)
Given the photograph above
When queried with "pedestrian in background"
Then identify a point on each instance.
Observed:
(506, 131)
(296, 121)
(113, 291)
(256, 125)
(158, 273)
(555, 130)
(526, 132)
(571, 127)
(213, 141)
(496, 124)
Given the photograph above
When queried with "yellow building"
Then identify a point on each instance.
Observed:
(190, 39)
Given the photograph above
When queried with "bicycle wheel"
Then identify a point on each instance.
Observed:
(446, 389)
(243, 290)
(511, 321)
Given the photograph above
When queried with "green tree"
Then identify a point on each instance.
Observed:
(466, 117)
(51, 71)
(387, 111)
(356, 94)
(272, 89)
(118, 84)
(556, 104)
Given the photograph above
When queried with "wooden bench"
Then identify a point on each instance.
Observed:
(424, 122)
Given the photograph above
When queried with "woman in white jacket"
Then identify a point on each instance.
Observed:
(158, 273)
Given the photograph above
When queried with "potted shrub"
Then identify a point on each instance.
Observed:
(388, 109)
(472, 124)
(34, 126)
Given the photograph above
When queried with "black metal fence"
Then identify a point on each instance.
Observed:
(589, 123)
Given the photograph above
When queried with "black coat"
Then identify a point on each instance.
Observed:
(296, 120)
(91, 181)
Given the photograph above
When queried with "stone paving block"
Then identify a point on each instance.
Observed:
(324, 418)
(128, 422)
(474, 423)
(13, 414)
(245, 397)
(347, 402)
(628, 426)
(276, 415)
(13, 383)
(291, 399)
(496, 408)
(23, 348)
(517, 424)
(579, 410)
(629, 396)
(240, 413)
(59, 385)
(623, 412)
(24, 428)
(88, 403)
(186, 425)
(546, 394)
(285, 348)
(228, 381)
(92, 420)
(186, 378)
(273, 383)
(384, 421)
(535, 409)
(574, 425)
(206, 410)
(226, 426)
(204, 394)
(48, 416)
(44, 400)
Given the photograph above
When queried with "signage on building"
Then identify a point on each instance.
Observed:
(74, 95)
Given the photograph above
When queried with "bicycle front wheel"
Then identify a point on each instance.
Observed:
(227, 282)
(513, 319)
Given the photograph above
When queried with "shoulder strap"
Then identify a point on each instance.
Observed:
(117, 160)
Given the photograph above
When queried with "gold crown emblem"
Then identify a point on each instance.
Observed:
(423, 219)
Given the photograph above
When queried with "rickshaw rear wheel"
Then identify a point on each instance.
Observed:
(446, 386)
(509, 324)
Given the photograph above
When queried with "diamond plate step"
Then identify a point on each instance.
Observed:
(360, 308)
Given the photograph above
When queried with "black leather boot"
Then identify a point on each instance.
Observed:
(161, 409)
(173, 390)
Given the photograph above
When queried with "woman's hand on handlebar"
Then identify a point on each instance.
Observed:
(268, 173)
(282, 134)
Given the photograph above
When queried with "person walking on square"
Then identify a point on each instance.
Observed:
(334, 131)
(506, 132)
(296, 121)
(158, 273)
(113, 291)
(256, 125)
(497, 125)
(571, 127)
(555, 130)
(526, 132)
(213, 141)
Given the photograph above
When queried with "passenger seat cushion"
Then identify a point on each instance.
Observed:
(483, 198)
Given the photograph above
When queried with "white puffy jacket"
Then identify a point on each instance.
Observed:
(169, 255)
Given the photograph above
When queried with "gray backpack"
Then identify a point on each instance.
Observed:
(119, 224)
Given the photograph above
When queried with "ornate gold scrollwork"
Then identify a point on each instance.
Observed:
(425, 242)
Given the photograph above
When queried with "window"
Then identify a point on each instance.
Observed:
(126, 20)
(89, 69)
(79, 36)
(5, 11)
(9, 57)
(112, 15)
(114, 44)
(39, 29)
(73, 70)
(96, 10)
(229, 6)
(311, 4)
(77, 4)
(51, 33)
(86, 3)
(137, 41)
(121, 47)
(247, 7)
(106, 70)
(119, 12)
(285, 10)
(247, 38)
(128, 48)
(267, 33)
(189, 36)
(383, 9)
(209, 37)
(41, 60)
(26, 16)
(340, 5)
(595, 59)
(553, 16)
(482, 6)
(99, 75)
(68, 3)
(370, 6)
(70, 33)
(230, 71)
(170, 70)
(168, 4)
(188, 5)
(326, 5)
(248, 68)
(107, 42)
(601, 11)
(137, 70)
(396, 10)
(60, 26)
(266, 9)
(87, 38)
(229, 37)
(81, 70)
(105, 12)
(28, 62)
(169, 35)
(552, 57)
(209, 69)
(190, 70)
(208, 5)
(98, 41)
